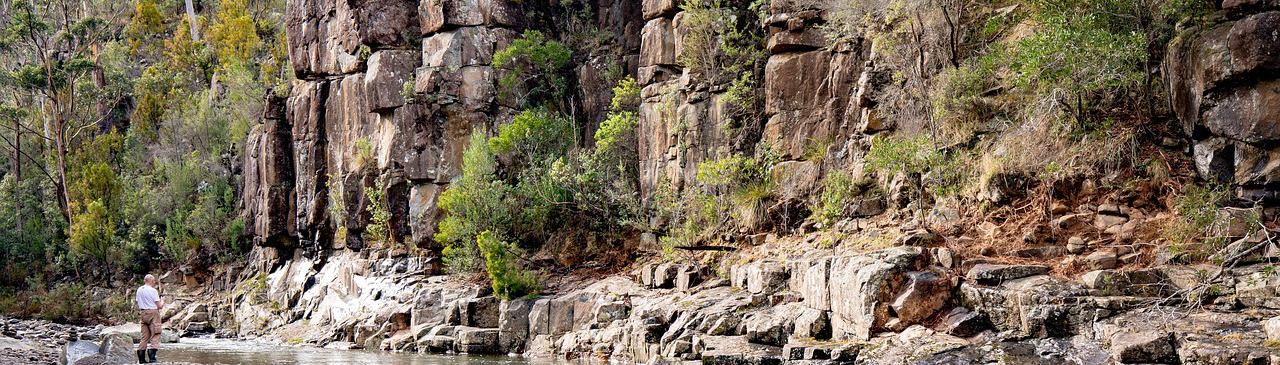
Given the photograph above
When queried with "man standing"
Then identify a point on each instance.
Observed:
(150, 303)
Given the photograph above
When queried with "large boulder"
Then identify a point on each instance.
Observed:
(71, 352)
(1272, 327)
(761, 277)
(1145, 347)
(513, 325)
(736, 350)
(658, 43)
(117, 348)
(477, 340)
(1040, 306)
(813, 323)
(863, 287)
(774, 325)
(807, 98)
(134, 332)
(388, 72)
(925, 293)
(994, 274)
(655, 8)
(8, 343)
(323, 37)
(305, 108)
(482, 312)
(269, 210)
(436, 15)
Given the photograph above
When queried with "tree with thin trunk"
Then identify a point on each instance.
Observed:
(191, 21)
(50, 44)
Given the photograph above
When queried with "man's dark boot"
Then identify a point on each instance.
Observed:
(151, 353)
(142, 356)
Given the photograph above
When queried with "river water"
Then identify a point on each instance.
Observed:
(226, 351)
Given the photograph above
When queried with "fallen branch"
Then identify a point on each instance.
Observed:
(707, 248)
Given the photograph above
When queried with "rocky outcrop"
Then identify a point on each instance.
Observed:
(813, 102)
(889, 306)
(388, 92)
(1224, 85)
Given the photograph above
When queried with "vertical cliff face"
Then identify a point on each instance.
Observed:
(1224, 85)
(347, 125)
(388, 93)
(820, 101)
(389, 90)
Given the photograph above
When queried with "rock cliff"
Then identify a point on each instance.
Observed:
(1223, 86)
(389, 90)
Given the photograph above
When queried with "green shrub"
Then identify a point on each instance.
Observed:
(378, 233)
(475, 203)
(93, 233)
(1077, 59)
(958, 94)
(939, 172)
(1189, 10)
(337, 206)
(749, 181)
(1201, 228)
(719, 43)
(839, 189)
(538, 63)
(910, 155)
(722, 44)
(533, 135)
(508, 281)
(614, 131)
(626, 95)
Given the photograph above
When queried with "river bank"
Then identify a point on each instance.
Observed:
(785, 300)
(772, 304)
(44, 342)
(33, 341)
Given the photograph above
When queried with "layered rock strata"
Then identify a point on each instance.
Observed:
(1224, 85)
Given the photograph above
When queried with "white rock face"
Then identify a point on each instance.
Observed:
(862, 288)
(1272, 328)
(134, 331)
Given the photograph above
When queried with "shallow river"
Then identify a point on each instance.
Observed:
(224, 351)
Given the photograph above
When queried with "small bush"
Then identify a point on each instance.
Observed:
(938, 172)
(378, 232)
(1201, 228)
(748, 181)
(337, 206)
(626, 95)
(508, 281)
(475, 202)
(721, 43)
(910, 155)
(93, 233)
(1187, 10)
(538, 63)
(958, 94)
(839, 189)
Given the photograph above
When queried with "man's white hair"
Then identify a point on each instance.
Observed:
(149, 278)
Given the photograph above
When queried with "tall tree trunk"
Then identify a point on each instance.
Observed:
(191, 16)
(60, 142)
(17, 176)
(59, 132)
(105, 121)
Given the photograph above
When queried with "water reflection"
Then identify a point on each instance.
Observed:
(224, 351)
